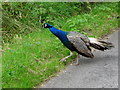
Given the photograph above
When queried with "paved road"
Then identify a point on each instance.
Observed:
(100, 72)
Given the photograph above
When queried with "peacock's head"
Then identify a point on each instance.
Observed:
(46, 25)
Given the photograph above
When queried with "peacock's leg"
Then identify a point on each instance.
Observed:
(77, 62)
(92, 50)
(64, 59)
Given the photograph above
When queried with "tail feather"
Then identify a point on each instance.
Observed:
(100, 45)
(107, 44)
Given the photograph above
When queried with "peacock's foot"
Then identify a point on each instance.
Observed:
(75, 64)
(63, 60)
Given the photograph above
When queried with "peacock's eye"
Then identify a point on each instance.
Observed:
(45, 25)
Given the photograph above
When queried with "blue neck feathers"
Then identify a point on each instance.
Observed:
(62, 35)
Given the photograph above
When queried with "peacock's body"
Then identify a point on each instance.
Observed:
(78, 42)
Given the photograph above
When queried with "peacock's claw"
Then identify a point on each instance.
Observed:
(63, 60)
(76, 64)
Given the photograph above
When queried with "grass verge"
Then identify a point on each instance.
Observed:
(32, 59)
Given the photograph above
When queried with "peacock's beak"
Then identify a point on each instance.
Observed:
(42, 26)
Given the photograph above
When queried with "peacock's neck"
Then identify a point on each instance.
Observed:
(57, 32)
(62, 35)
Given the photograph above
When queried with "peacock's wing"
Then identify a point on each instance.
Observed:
(80, 45)
(82, 36)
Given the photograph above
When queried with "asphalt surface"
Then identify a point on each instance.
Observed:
(99, 72)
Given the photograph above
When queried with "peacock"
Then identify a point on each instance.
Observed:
(79, 43)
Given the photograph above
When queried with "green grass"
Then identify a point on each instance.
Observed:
(33, 58)
(98, 23)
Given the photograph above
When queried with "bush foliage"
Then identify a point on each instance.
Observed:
(25, 17)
